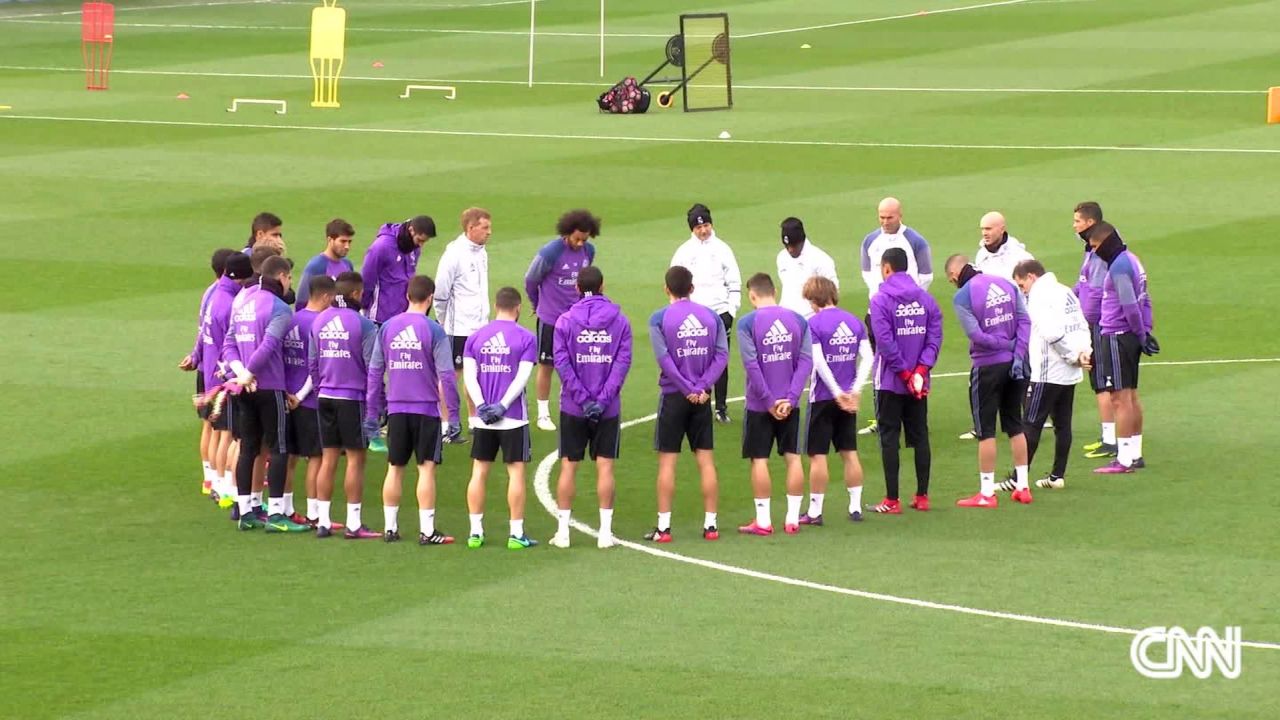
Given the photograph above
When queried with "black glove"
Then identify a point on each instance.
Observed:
(1151, 346)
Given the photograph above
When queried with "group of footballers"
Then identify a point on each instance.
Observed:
(340, 362)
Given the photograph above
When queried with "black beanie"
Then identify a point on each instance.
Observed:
(699, 215)
(792, 231)
(239, 267)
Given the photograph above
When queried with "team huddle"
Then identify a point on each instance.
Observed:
(343, 362)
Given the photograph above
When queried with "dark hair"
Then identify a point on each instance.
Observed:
(263, 221)
(348, 282)
(275, 266)
(590, 280)
(338, 227)
(508, 299)
(762, 285)
(1090, 210)
(821, 291)
(578, 221)
(895, 258)
(421, 287)
(219, 260)
(321, 285)
(1028, 267)
(260, 255)
(423, 225)
(679, 281)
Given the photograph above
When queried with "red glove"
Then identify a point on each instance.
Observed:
(905, 376)
(923, 373)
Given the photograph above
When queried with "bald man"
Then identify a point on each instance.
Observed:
(893, 234)
(999, 253)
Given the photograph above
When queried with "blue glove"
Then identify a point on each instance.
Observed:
(594, 410)
(491, 413)
(371, 427)
(1018, 370)
(1150, 346)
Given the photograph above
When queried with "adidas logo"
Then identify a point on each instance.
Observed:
(333, 330)
(915, 309)
(691, 328)
(594, 337)
(565, 267)
(294, 339)
(778, 334)
(496, 345)
(406, 339)
(843, 335)
(244, 313)
(996, 296)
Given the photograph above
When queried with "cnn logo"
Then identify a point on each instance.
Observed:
(1199, 653)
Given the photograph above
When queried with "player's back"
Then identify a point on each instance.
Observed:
(993, 303)
(338, 337)
(408, 342)
(296, 343)
(498, 348)
(690, 333)
(776, 337)
(838, 333)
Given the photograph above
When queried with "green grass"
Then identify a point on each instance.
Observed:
(125, 595)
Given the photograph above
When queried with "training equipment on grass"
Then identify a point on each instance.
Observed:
(1273, 106)
(533, 25)
(701, 51)
(237, 102)
(97, 39)
(328, 50)
(450, 89)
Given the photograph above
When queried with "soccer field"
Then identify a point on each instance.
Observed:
(126, 594)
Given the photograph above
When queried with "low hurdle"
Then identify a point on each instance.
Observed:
(237, 102)
(450, 89)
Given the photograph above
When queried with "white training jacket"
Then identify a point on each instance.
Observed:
(1001, 262)
(1059, 333)
(462, 288)
(717, 282)
(793, 272)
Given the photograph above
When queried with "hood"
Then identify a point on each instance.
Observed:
(398, 235)
(901, 287)
(596, 311)
(1048, 279)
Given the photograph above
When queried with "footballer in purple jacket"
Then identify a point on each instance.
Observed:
(342, 342)
(551, 284)
(212, 483)
(777, 356)
(993, 314)
(303, 421)
(412, 360)
(907, 325)
(592, 356)
(389, 263)
(1093, 272)
(254, 352)
(691, 346)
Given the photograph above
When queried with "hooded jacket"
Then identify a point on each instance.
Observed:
(255, 339)
(389, 264)
(592, 350)
(213, 328)
(993, 313)
(1125, 303)
(907, 324)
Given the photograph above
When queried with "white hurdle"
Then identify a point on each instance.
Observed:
(450, 89)
(237, 102)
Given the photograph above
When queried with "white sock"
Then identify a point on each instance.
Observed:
(1109, 433)
(1137, 446)
(208, 472)
(815, 504)
(275, 506)
(322, 511)
(762, 513)
(562, 517)
(427, 521)
(855, 499)
(544, 408)
(243, 502)
(288, 503)
(477, 524)
(517, 528)
(708, 520)
(664, 521)
(793, 509)
(313, 508)
(988, 483)
(389, 513)
(228, 484)
(353, 516)
(255, 499)
(1020, 476)
(1125, 454)
(606, 521)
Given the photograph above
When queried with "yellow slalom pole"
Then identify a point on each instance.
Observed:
(328, 50)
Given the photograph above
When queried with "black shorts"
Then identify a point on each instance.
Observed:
(1119, 362)
(760, 433)
(302, 432)
(410, 434)
(603, 437)
(223, 423)
(827, 426)
(992, 392)
(260, 420)
(679, 419)
(1096, 375)
(514, 444)
(546, 343)
(341, 424)
(227, 419)
(459, 344)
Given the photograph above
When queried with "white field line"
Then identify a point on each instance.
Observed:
(307, 28)
(642, 139)
(801, 88)
(175, 6)
(887, 18)
(542, 489)
(412, 6)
